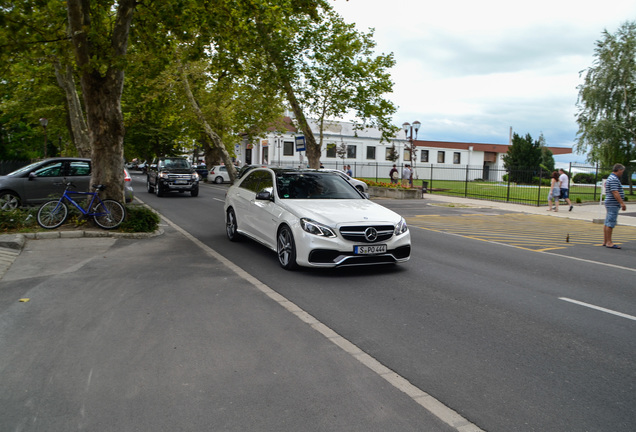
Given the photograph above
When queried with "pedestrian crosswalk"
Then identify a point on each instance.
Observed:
(7, 256)
(534, 232)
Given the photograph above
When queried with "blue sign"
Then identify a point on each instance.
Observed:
(300, 143)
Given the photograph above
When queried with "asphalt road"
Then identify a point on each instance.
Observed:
(510, 337)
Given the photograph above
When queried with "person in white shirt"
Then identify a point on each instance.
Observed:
(565, 188)
(406, 175)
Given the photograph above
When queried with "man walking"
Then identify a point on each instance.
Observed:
(394, 175)
(614, 199)
(406, 175)
(565, 187)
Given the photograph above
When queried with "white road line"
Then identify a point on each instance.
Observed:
(602, 309)
(428, 402)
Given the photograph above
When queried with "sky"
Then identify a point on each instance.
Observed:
(471, 70)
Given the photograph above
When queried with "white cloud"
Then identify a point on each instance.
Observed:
(469, 70)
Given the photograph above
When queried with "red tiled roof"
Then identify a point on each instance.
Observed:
(495, 148)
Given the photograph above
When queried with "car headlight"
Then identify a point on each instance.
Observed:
(401, 227)
(315, 228)
(195, 176)
(163, 175)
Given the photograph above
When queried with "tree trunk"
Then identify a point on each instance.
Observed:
(102, 79)
(214, 137)
(78, 127)
(311, 146)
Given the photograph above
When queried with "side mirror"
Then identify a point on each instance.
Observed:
(32, 176)
(264, 195)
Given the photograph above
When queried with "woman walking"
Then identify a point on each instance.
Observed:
(555, 192)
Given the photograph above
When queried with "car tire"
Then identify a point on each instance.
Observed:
(149, 187)
(158, 190)
(9, 201)
(218, 180)
(231, 226)
(286, 248)
(194, 192)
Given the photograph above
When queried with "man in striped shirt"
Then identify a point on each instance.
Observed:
(614, 199)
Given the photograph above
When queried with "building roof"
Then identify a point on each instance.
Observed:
(495, 148)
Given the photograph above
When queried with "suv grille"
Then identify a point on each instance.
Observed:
(179, 176)
(367, 233)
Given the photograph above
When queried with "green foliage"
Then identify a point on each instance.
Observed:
(584, 178)
(607, 100)
(139, 219)
(18, 220)
(523, 160)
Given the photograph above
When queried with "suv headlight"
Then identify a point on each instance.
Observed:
(315, 228)
(163, 175)
(195, 176)
(401, 227)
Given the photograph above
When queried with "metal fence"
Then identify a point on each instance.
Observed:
(9, 166)
(488, 182)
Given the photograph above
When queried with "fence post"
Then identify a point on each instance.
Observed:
(466, 183)
(596, 181)
(539, 193)
(508, 188)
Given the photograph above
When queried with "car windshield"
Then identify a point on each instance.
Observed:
(314, 185)
(25, 169)
(176, 164)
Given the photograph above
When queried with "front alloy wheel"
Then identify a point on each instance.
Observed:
(231, 226)
(286, 248)
(9, 201)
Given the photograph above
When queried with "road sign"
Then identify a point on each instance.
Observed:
(300, 143)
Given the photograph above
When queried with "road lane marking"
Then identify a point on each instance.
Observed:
(602, 309)
(420, 397)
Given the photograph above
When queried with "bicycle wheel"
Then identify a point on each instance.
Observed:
(52, 214)
(109, 214)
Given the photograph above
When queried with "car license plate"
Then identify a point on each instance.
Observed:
(369, 250)
(180, 182)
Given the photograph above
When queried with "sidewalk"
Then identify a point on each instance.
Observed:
(592, 212)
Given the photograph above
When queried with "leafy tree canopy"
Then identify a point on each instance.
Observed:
(607, 100)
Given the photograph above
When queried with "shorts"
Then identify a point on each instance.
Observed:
(565, 194)
(612, 216)
(554, 195)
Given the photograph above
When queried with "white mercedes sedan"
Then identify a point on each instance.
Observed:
(314, 219)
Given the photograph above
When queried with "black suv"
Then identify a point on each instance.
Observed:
(172, 174)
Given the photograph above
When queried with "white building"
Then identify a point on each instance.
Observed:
(369, 157)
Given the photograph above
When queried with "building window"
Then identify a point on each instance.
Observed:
(407, 155)
(441, 157)
(288, 148)
(424, 156)
(371, 152)
(351, 152)
(265, 159)
(457, 158)
(391, 154)
(331, 151)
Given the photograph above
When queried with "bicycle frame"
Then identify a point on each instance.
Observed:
(94, 201)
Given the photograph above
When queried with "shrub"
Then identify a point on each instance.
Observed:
(584, 178)
(578, 200)
(139, 219)
(23, 219)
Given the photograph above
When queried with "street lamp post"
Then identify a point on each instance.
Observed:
(410, 132)
(44, 122)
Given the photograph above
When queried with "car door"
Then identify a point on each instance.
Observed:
(79, 173)
(266, 212)
(45, 182)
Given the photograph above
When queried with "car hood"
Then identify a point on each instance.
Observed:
(346, 211)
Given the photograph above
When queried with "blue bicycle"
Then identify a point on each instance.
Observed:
(107, 213)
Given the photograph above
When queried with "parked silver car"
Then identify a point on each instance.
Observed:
(39, 181)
